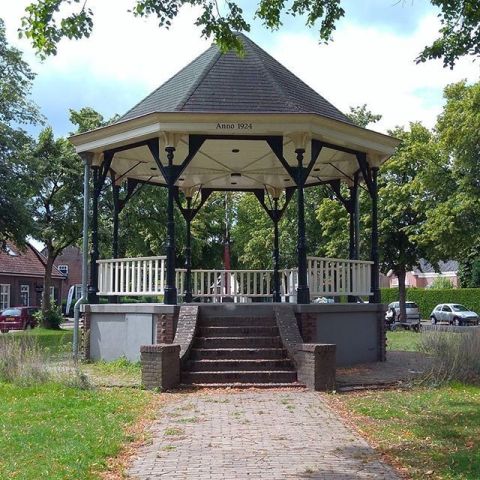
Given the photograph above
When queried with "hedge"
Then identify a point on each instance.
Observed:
(428, 299)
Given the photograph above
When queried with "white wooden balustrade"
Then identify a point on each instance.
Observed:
(146, 276)
(332, 277)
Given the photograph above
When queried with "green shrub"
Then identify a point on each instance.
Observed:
(428, 299)
(440, 283)
(53, 318)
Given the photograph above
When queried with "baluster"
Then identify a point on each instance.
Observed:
(122, 276)
(162, 276)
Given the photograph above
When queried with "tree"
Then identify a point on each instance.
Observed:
(404, 203)
(453, 220)
(57, 202)
(15, 109)
(45, 25)
(363, 117)
(460, 32)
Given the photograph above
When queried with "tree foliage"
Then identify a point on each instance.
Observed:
(15, 109)
(459, 34)
(57, 202)
(45, 22)
(453, 220)
(362, 116)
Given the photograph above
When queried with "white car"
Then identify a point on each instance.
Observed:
(454, 314)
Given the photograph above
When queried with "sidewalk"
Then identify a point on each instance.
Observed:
(255, 435)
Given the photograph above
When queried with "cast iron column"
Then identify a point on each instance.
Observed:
(116, 214)
(93, 286)
(170, 296)
(303, 292)
(188, 253)
(277, 297)
(356, 226)
(352, 210)
(375, 298)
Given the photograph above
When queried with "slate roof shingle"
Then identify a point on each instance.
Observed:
(426, 267)
(216, 82)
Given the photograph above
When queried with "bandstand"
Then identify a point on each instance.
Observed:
(235, 123)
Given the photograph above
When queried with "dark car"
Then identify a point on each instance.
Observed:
(18, 318)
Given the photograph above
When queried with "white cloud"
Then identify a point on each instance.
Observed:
(373, 66)
(362, 65)
(121, 47)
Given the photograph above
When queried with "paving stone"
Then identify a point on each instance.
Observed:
(276, 434)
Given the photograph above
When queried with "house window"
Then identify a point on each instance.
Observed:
(78, 291)
(52, 293)
(4, 296)
(63, 269)
(25, 294)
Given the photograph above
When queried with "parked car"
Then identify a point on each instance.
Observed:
(18, 318)
(454, 314)
(413, 315)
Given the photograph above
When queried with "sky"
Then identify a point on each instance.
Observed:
(371, 60)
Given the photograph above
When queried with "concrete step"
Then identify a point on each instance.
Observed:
(237, 353)
(238, 321)
(234, 331)
(242, 365)
(265, 376)
(246, 385)
(237, 342)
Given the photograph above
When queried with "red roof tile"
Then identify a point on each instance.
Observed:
(28, 262)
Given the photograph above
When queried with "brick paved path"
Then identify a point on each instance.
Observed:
(255, 435)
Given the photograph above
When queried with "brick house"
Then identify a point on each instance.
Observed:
(21, 277)
(424, 275)
(69, 263)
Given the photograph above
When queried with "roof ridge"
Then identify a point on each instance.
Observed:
(295, 76)
(165, 83)
(269, 74)
(200, 78)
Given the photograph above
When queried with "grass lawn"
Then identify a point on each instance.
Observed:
(403, 340)
(55, 340)
(434, 433)
(118, 372)
(57, 432)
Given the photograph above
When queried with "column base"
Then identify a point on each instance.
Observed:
(303, 295)
(170, 296)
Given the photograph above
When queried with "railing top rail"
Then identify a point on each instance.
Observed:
(219, 270)
(343, 260)
(130, 259)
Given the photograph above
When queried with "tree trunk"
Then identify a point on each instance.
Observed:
(402, 294)
(47, 282)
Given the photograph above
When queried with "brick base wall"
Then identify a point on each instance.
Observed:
(166, 326)
(160, 366)
(382, 337)
(85, 336)
(308, 327)
(316, 366)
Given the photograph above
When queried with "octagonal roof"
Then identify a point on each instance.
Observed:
(235, 104)
(253, 83)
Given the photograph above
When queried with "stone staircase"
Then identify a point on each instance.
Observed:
(238, 349)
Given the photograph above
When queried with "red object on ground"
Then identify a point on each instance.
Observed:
(18, 318)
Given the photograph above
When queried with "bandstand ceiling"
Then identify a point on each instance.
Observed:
(234, 104)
